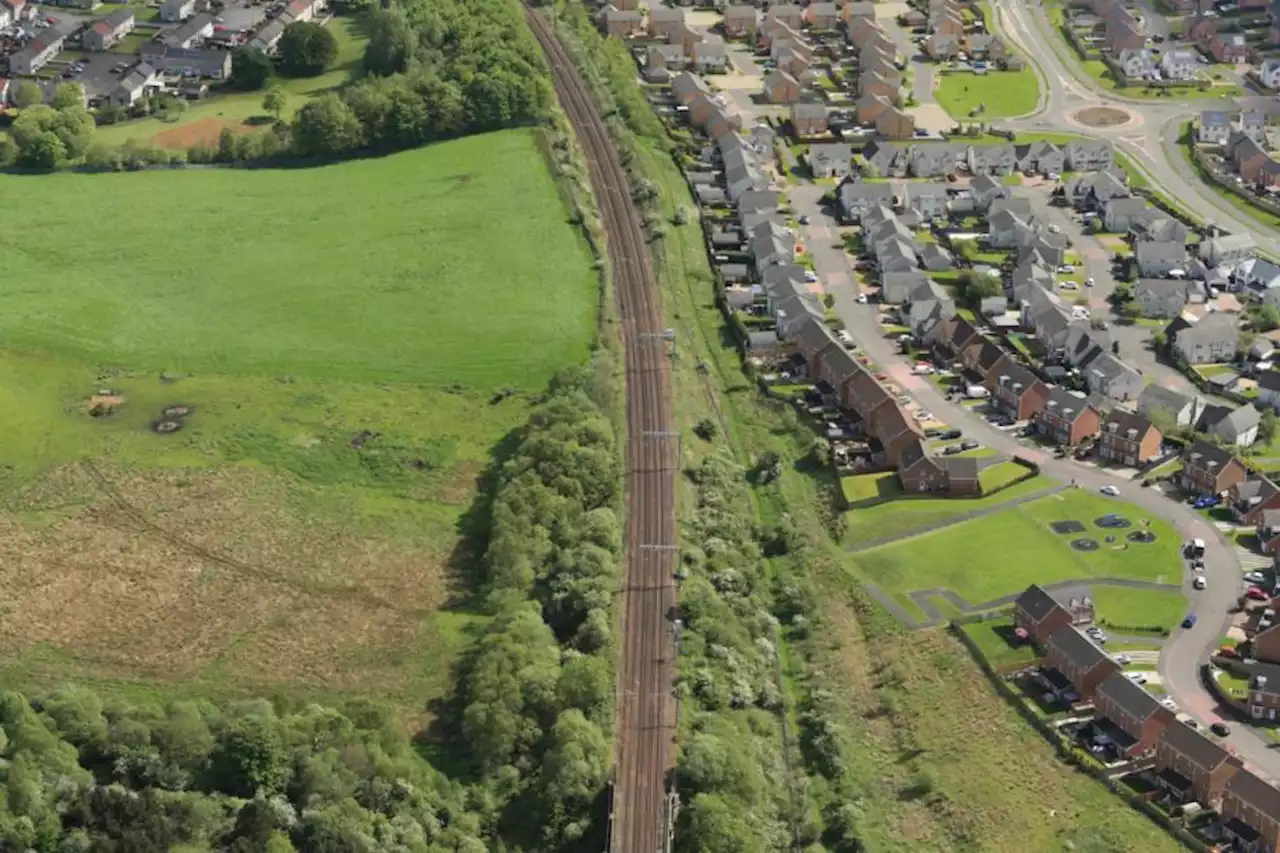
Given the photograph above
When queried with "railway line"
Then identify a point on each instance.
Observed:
(646, 708)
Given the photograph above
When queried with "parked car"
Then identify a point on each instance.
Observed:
(1199, 582)
(1255, 593)
(1189, 621)
(1220, 729)
(952, 450)
(921, 368)
(951, 434)
(1255, 577)
(1123, 660)
(1206, 501)
(1195, 548)
(969, 444)
(803, 219)
(1168, 702)
(1110, 490)
(1136, 677)
(924, 415)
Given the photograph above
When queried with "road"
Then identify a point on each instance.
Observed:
(646, 707)
(1151, 140)
(1185, 649)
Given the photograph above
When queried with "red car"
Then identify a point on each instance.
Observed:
(1256, 593)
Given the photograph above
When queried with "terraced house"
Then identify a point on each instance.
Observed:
(1041, 613)
(1128, 439)
(1015, 390)
(1251, 812)
(1192, 768)
(1130, 716)
(1080, 660)
(1209, 470)
(1066, 418)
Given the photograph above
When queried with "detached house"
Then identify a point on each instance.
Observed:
(1159, 297)
(740, 21)
(1067, 419)
(1209, 470)
(1250, 498)
(781, 88)
(1130, 716)
(1210, 340)
(1128, 439)
(1162, 404)
(1089, 155)
(1230, 249)
(830, 160)
(1157, 259)
(1192, 768)
(620, 23)
(666, 22)
(1214, 127)
(1079, 660)
(1040, 613)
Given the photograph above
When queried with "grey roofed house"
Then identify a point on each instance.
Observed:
(1215, 118)
(1133, 698)
(895, 255)
(806, 110)
(734, 272)
(709, 195)
(686, 85)
(1123, 211)
(1159, 228)
(1232, 246)
(670, 54)
(1231, 425)
(1039, 154)
(1106, 374)
(1089, 154)
(1094, 188)
(758, 200)
(935, 258)
(792, 311)
(883, 229)
(665, 14)
(772, 244)
(1071, 641)
(857, 197)
(831, 157)
(1160, 297)
(782, 280)
(1157, 402)
(1212, 338)
(927, 289)
(1159, 255)
(885, 158)
(1260, 349)
(931, 161)
(992, 158)
(925, 314)
(897, 287)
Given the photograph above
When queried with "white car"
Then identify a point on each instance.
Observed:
(862, 299)
(810, 276)
(1256, 577)
(922, 369)
(923, 415)
(1066, 268)
(1053, 176)
(1088, 282)
(1168, 702)
(1199, 582)
(1123, 660)
(1068, 285)
(1054, 229)
(1136, 677)
(1110, 490)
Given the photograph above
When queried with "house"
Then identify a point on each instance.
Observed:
(1253, 124)
(1214, 127)
(1104, 373)
(620, 23)
(869, 108)
(830, 160)
(710, 57)
(1092, 191)
(895, 255)
(1120, 214)
(1208, 469)
(1250, 812)
(1015, 390)
(1238, 426)
(1269, 388)
(303, 10)
(1079, 659)
(873, 82)
(822, 16)
(890, 424)
(1231, 48)
(809, 119)
(133, 86)
(1192, 768)
(1135, 64)
(174, 11)
(1251, 497)
(1269, 73)
(1040, 613)
(1089, 155)
(1179, 65)
(190, 32)
(107, 32)
(927, 199)
(982, 46)
(1043, 158)
(1163, 405)
(856, 198)
(1008, 226)
(269, 36)
(1157, 259)
(1130, 716)
(202, 63)
(686, 87)
(992, 159)
(1128, 439)
(942, 47)
(1246, 155)
(853, 12)
(740, 21)
(665, 22)
(1158, 297)
(37, 52)
(787, 13)
(1066, 418)
(930, 161)
(919, 471)
(897, 287)
(781, 88)
(936, 259)
(985, 190)
(893, 123)
(1210, 340)
(1124, 32)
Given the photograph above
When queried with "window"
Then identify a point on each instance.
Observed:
(1255, 712)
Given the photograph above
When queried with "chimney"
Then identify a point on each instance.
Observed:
(1133, 433)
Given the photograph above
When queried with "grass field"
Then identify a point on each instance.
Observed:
(338, 334)
(1004, 93)
(993, 639)
(415, 267)
(242, 111)
(959, 557)
(908, 513)
(1000, 475)
(1140, 607)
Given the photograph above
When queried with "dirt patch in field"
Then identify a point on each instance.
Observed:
(211, 575)
(206, 131)
(462, 483)
(1102, 116)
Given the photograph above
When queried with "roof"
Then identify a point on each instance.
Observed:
(1215, 118)
(808, 110)
(1017, 375)
(913, 454)
(1061, 400)
(1202, 454)
(189, 28)
(1211, 327)
(113, 22)
(137, 78)
(1199, 749)
(1228, 242)
(740, 11)
(1130, 697)
(1159, 398)
(1126, 421)
(1251, 789)
(1036, 602)
(1152, 250)
(1078, 648)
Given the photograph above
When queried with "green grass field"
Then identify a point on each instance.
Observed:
(417, 267)
(912, 512)
(960, 557)
(1140, 607)
(1004, 93)
(338, 334)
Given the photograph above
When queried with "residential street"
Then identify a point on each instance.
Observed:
(1185, 649)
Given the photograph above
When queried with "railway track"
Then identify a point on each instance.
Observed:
(646, 708)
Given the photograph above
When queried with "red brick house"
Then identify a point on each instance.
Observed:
(893, 123)
(870, 107)
(739, 21)
(1250, 812)
(1202, 30)
(1264, 684)
(894, 428)
(1231, 48)
(1079, 659)
(1128, 439)
(1015, 390)
(1251, 496)
(1040, 613)
(1209, 470)
(1131, 716)
(1268, 528)
(781, 88)
(864, 31)
(809, 119)
(919, 471)
(963, 474)
(1067, 419)
(1123, 31)
(1192, 768)
(864, 394)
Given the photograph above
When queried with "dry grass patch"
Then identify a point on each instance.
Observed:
(209, 577)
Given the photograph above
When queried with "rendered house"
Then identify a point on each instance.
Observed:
(1160, 297)
(107, 32)
(1120, 214)
(858, 198)
(1044, 158)
(1128, 439)
(710, 57)
(1040, 613)
(986, 190)
(1089, 155)
(37, 52)
(1079, 659)
(1209, 470)
(1156, 259)
(1130, 716)
(1135, 64)
(1253, 124)
(133, 85)
(1269, 388)
(173, 11)
(1210, 340)
(1015, 390)
(1066, 418)
(1214, 127)
(1269, 73)
(1165, 405)
(1192, 768)
(1230, 249)
(830, 160)
(927, 199)
(1250, 812)
(992, 159)
(1179, 65)
(1234, 426)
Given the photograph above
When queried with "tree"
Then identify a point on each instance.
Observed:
(967, 249)
(250, 756)
(573, 773)
(392, 42)
(306, 49)
(983, 287)
(72, 126)
(1263, 317)
(250, 69)
(44, 150)
(26, 93)
(67, 95)
(326, 127)
(274, 101)
(1267, 426)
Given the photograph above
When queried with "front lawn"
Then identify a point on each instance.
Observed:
(1001, 554)
(1001, 93)
(1139, 608)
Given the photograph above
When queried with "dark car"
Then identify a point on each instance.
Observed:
(951, 434)
(1220, 729)
(933, 432)
(969, 444)
(1190, 621)
(952, 449)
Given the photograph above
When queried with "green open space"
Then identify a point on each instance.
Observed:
(337, 335)
(1000, 475)
(909, 513)
(242, 111)
(1000, 554)
(862, 488)
(1139, 608)
(994, 638)
(1001, 94)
